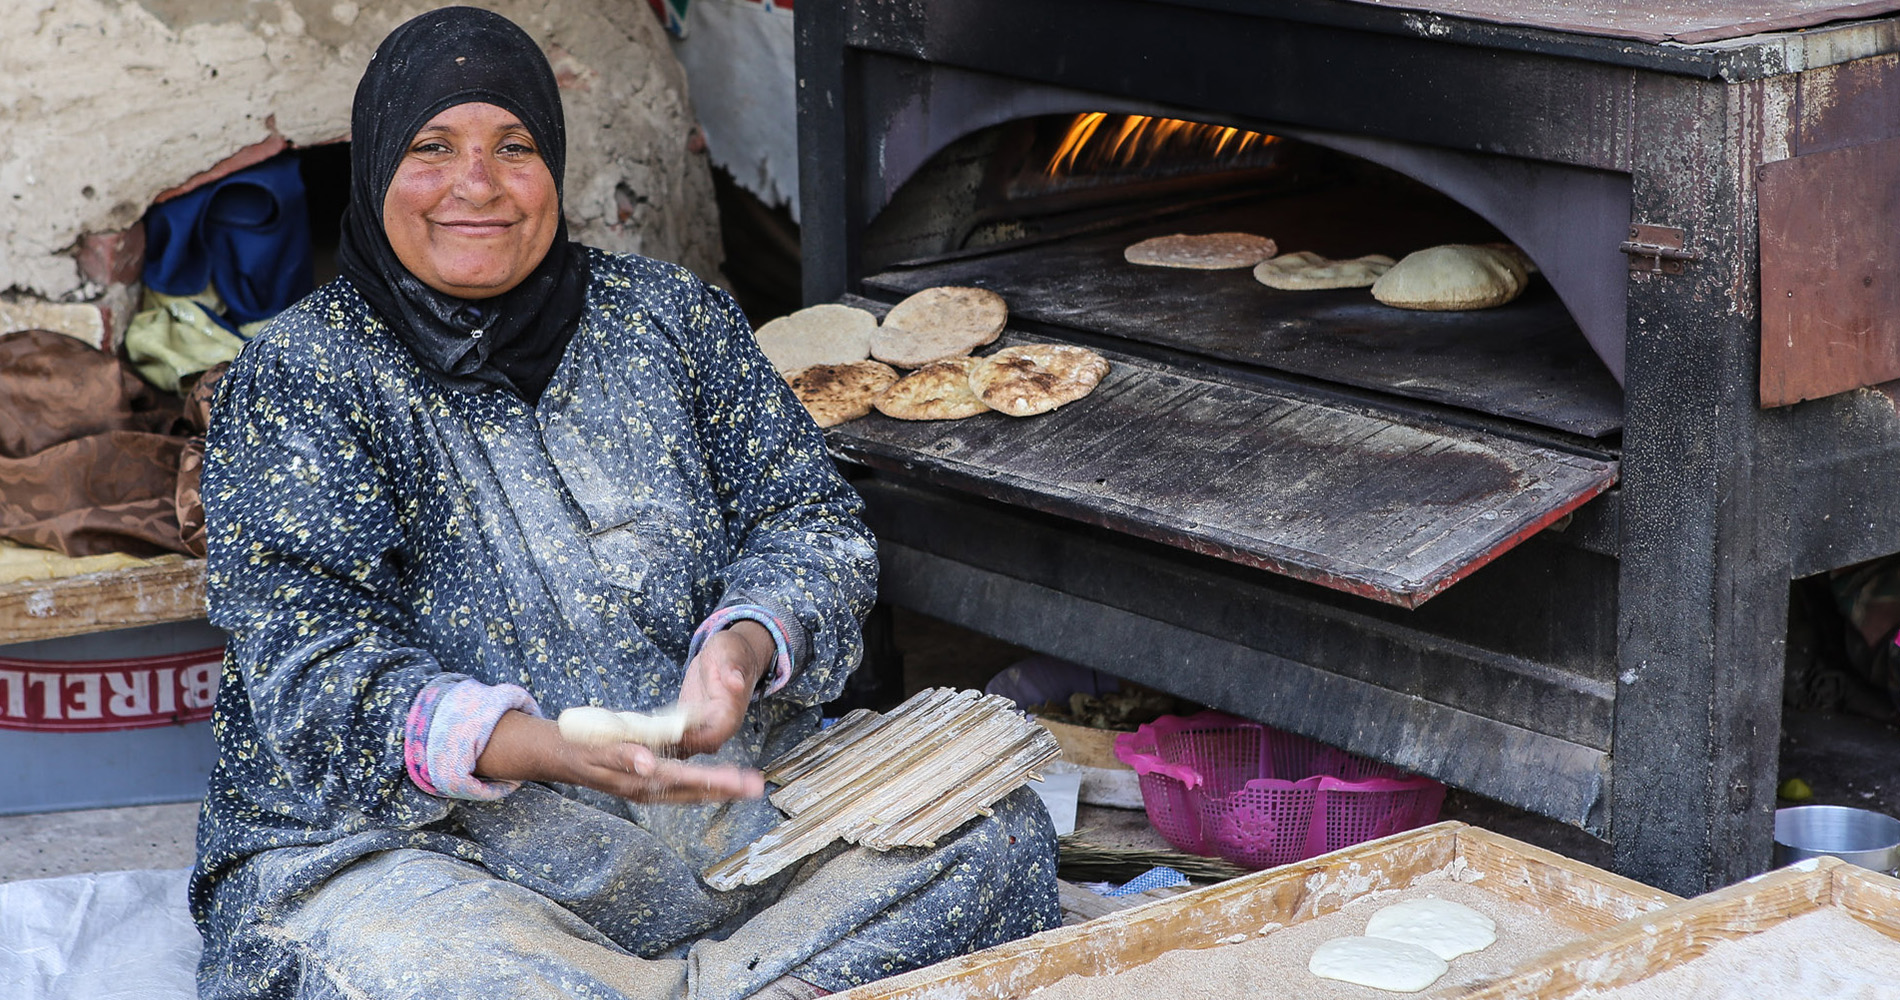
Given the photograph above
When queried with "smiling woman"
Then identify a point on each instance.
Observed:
(489, 475)
(472, 209)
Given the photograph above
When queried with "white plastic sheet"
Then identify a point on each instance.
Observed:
(109, 936)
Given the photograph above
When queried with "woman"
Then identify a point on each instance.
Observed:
(488, 475)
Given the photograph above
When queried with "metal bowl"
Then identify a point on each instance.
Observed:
(1858, 836)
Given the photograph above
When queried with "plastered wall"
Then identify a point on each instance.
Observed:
(106, 104)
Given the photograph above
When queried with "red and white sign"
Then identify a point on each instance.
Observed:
(94, 695)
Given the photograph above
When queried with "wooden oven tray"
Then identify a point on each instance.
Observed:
(1689, 930)
(1574, 894)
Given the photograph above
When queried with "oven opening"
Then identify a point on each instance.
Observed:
(1039, 210)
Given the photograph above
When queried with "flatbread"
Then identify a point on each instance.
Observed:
(937, 391)
(1204, 251)
(1304, 270)
(1517, 253)
(905, 349)
(827, 334)
(1028, 379)
(943, 322)
(833, 394)
(1380, 963)
(1446, 928)
(1454, 276)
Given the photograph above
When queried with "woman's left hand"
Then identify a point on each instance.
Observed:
(720, 682)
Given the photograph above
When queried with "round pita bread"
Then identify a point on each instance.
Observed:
(936, 323)
(825, 334)
(833, 394)
(937, 391)
(1517, 253)
(904, 349)
(1028, 379)
(1455, 276)
(1305, 271)
(1205, 252)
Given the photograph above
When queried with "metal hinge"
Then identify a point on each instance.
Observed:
(1657, 248)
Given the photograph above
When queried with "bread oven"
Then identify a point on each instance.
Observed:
(1541, 552)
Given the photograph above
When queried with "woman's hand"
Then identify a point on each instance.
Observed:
(524, 748)
(720, 681)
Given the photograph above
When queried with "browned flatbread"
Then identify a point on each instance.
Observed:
(833, 394)
(937, 391)
(1028, 379)
(1203, 252)
(937, 323)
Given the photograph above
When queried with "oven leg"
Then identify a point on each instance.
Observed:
(1704, 576)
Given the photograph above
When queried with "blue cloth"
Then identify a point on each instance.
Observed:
(1158, 877)
(247, 235)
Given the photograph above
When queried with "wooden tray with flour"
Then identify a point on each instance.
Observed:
(1726, 934)
(1270, 922)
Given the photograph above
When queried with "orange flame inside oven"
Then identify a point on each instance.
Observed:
(1098, 140)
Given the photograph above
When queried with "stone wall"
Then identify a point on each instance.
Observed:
(106, 105)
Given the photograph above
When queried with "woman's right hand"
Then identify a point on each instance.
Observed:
(524, 748)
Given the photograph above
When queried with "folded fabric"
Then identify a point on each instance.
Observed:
(54, 388)
(174, 336)
(247, 235)
(89, 453)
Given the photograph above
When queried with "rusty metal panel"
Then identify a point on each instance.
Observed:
(1372, 503)
(1847, 105)
(1830, 272)
(1687, 21)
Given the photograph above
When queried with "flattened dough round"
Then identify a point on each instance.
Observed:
(827, 334)
(1203, 251)
(937, 391)
(833, 394)
(1454, 276)
(1380, 963)
(1028, 379)
(1304, 270)
(937, 323)
(1445, 928)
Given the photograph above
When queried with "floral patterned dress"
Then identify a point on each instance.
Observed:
(373, 536)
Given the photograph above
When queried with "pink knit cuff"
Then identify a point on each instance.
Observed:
(726, 616)
(448, 728)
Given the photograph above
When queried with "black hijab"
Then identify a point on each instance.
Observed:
(460, 55)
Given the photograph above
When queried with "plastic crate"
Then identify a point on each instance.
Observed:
(1216, 784)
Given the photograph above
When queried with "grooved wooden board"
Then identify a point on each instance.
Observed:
(1369, 502)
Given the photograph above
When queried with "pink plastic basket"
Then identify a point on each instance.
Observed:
(1254, 795)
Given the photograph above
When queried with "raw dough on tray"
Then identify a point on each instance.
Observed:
(1204, 251)
(834, 394)
(1028, 379)
(1304, 270)
(827, 334)
(1446, 928)
(937, 391)
(1381, 963)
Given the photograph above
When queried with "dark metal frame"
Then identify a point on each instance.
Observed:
(1623, 675)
